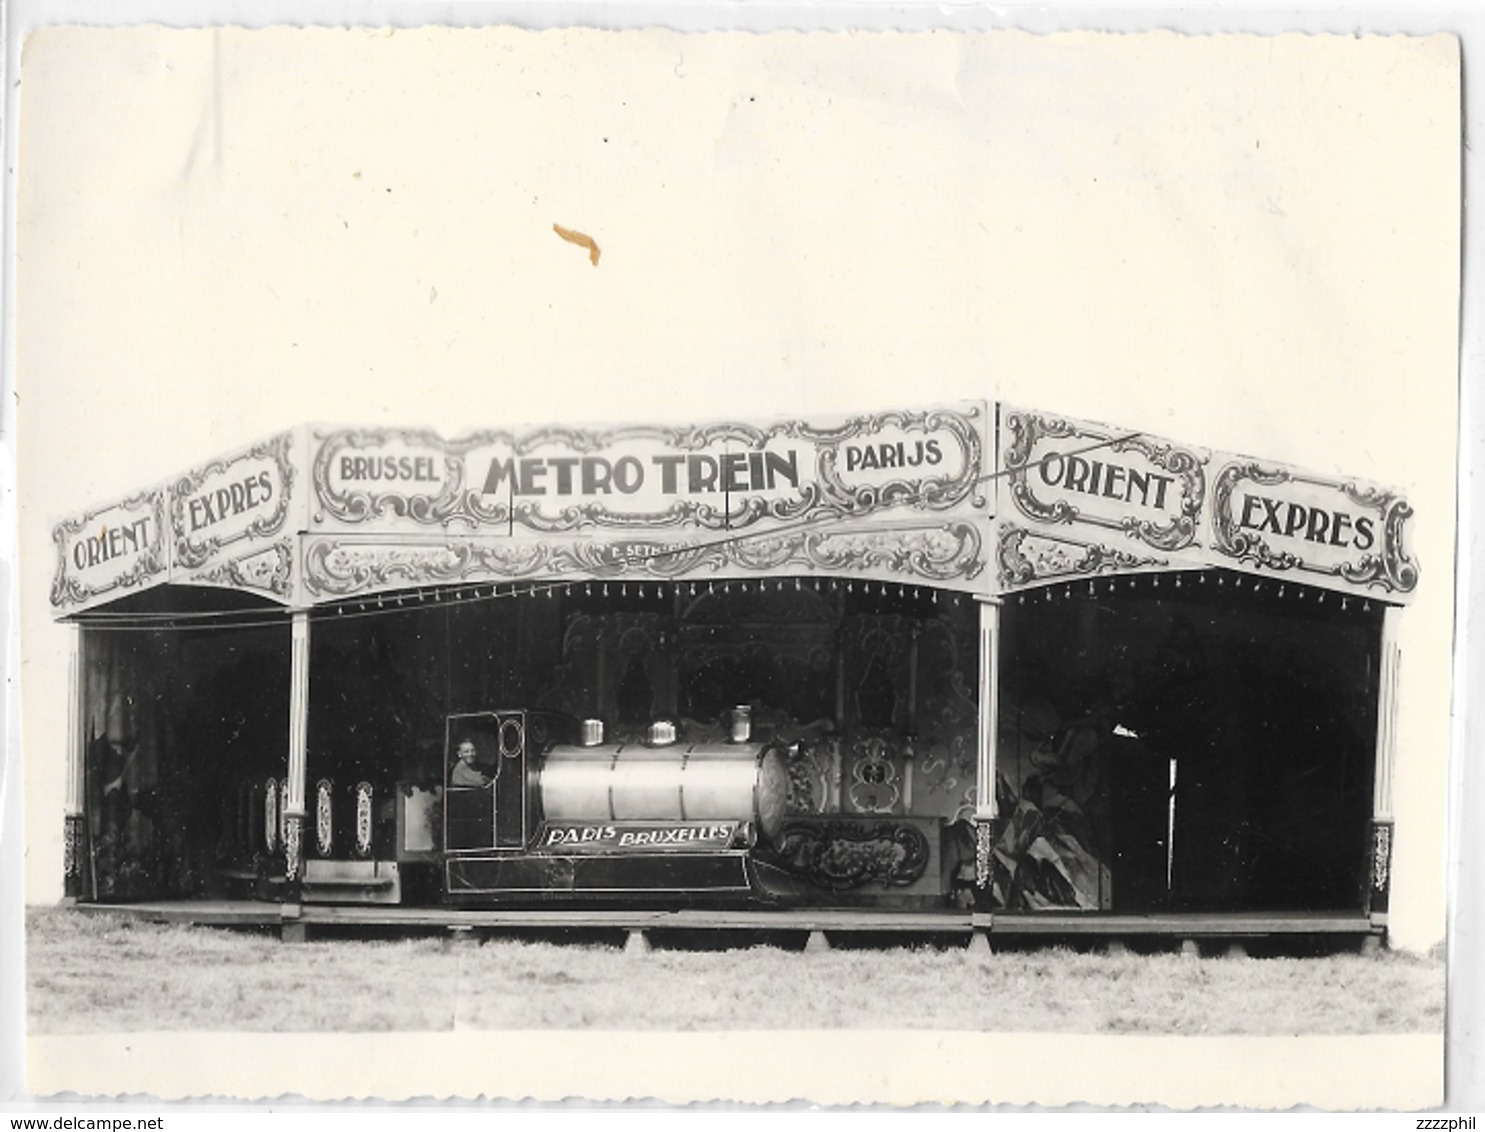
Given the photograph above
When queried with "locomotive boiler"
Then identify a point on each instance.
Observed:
(539, 807)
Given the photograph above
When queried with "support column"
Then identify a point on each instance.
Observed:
(1380, 870)
(294, 786)
(987, 742)
(75, 828)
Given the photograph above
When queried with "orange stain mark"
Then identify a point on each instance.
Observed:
(580, 240)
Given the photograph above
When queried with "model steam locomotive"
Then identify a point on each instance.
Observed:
(538, 806)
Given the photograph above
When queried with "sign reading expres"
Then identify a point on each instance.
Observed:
(722, 476)
(242, 498)
(1277, 519)
(221, 502)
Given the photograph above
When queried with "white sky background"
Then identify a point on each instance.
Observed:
(1233, 247)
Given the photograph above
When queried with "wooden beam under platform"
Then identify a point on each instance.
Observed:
(1182, 924)
(210, 913)
(343, 918)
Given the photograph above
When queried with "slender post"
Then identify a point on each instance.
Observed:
(1381, 856)
(988, 739)
(910, 736)
(294, 787)
(74, 832)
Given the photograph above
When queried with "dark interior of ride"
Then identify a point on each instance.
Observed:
(1204, 746)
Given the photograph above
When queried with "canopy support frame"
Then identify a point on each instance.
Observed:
(988, 741)
(1380, 866)
(75, 829)
(294, 792)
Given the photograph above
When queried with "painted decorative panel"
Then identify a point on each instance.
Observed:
(270, 570)
(928, 552)
(1080, 499)
(1061, 471)
(110, 551)
(723, 477)
(855, 855)
(1334, 532)
(242, 498)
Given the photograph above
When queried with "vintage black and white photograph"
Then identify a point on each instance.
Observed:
(846, 567)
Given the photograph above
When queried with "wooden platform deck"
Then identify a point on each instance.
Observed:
(342, 919)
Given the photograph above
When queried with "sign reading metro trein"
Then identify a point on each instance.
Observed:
(963, 657)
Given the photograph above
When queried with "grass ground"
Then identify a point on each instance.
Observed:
(92, 973)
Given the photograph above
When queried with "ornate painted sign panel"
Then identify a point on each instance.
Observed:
(899, 496)
(719, 477)
(230, 519)
(1340, 533)
(108, 552)
(1079, 499)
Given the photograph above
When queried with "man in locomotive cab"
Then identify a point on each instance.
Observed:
(466, 770)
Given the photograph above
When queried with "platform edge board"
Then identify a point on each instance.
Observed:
(266, 915)
(649, 920)
(1196, 925)
(1193, 925)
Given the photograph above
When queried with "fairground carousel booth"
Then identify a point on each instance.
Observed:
(997, 663)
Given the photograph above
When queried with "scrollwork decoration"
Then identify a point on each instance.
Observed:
(1026, 429)
(272, 822)
(875, 786)
(843, 855)
(364, 796)
(984, 852)
(293, 856)
(324, 818)
(73, 834)
(1025, 557)
(336, 568)
(270, 570)
(284, 821)
(1381, 855)
(341, 567)
(1392, 568)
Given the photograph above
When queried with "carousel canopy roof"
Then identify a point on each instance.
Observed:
(965, 496)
